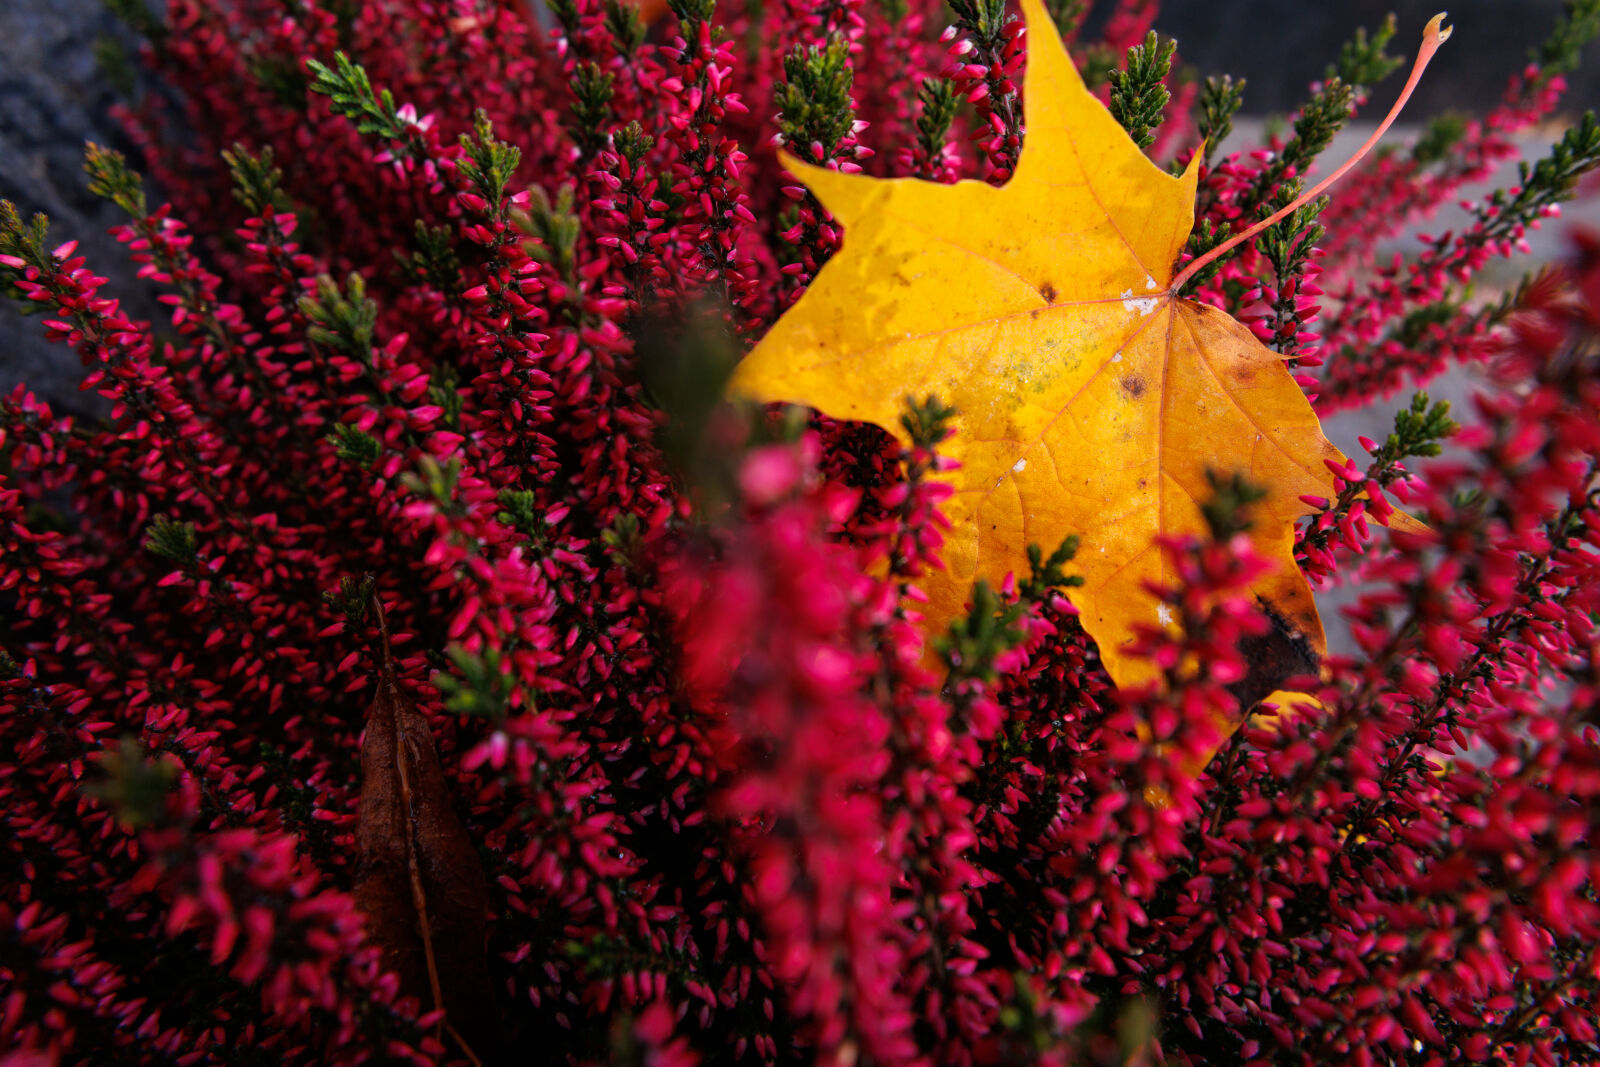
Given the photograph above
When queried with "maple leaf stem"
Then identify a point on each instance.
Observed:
(1433, 35)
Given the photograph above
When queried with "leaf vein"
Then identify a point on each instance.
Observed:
(1095, 195)
(1266, 434)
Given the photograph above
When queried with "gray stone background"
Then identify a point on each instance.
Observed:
(1278, 46)
(52, 100)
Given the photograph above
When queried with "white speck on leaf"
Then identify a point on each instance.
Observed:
(1164, 614)
(1022, 465)
(1138, 307)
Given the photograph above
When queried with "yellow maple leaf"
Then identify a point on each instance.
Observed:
(1092, 399)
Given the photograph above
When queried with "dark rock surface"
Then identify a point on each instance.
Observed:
(1280, 46)
(52, 100)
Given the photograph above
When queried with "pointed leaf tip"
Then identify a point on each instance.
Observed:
(839, 192)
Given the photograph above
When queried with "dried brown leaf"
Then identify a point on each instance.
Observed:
(419, 880)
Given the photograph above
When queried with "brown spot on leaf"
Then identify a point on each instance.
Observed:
(1048, 291)
(1133, 385)
(1272, 658)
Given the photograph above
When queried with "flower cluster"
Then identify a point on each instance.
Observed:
(453, 294)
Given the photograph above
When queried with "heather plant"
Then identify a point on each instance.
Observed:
(414, 658)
